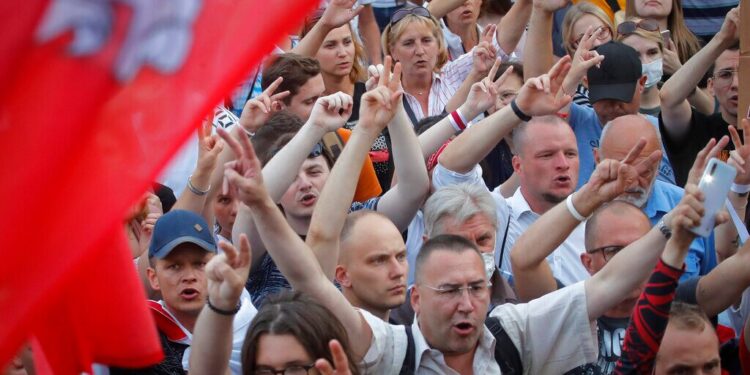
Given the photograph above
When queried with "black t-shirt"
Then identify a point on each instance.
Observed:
(171, 365)
(611, 334)
(701, 129)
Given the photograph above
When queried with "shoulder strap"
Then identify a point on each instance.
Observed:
(506, 353)
(409, 111)
(505, 237)
(410, 360)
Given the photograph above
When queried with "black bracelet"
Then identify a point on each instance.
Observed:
(223, 312)
(518, 112)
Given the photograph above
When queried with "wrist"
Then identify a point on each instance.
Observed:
(469, 112)
(223, 307)
(584, 203)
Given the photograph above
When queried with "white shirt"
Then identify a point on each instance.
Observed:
(565, 260)
(552, 334)
(444, 86)
(456, 47)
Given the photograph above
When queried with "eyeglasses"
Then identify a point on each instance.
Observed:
(607, 251)
(454, 292)
(405, 11)
(316, 151)
(724, 77)
(291, 370)
(602, 36)
(629, 27)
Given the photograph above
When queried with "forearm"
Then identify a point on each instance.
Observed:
(281, 170)
(432, 139)
(403, 200)
(459, 97)
(623, 273)
(682, 83)
(727, 239)
(309, 45)
(723, 286)
(537, 52)
(473, 145)
(439, 8)
(335, 200)
(370, 34)
(212, 343)
(533, 276)
(512, 26)
(297, 263)
(646, 330)
(189, 200)
(509, 187)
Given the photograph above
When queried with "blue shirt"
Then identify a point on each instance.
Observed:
(701, 257)
(588, 130)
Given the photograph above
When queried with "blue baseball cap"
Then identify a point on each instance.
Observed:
(178, 227)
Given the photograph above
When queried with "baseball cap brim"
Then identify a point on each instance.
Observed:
(615, 91)
(169, 246)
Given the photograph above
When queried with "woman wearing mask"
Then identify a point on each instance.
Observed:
(643, 36)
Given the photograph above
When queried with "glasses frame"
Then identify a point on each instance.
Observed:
(721, 82)
(449, 292)
(577, 42)
(607, 250)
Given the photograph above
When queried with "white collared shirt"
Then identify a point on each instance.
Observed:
(553, 334)
(565, 261)
(456, 47)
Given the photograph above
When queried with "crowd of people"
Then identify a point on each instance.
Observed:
(461, 187)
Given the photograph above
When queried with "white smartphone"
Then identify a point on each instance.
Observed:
(715, 183)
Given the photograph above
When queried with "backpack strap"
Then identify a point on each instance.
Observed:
(409, 111)
(506, 353)
(410, 360)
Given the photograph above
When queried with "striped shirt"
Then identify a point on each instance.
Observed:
(705, 17)
(444, 86)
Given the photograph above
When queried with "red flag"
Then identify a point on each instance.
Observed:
(96, 97)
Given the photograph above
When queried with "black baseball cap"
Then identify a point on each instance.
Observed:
(617, 75)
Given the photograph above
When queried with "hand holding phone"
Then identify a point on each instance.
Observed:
(715, 183)
(666, 35)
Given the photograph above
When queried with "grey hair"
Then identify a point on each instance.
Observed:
(608, 126)
(459, 202)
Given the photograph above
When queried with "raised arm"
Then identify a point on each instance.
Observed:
(512, 26)
(727, 238)
(369, 32)
(336, 198)
(483, 57)
(295, 259)
(282, 169)
(632, 266)
(402, 201)
(439, 8)
(537, 97)
(212, 337)
(337, 14)
(675, 109)
(531, 272)
(537, 53)
(583, 60)
(199, 185)
(482, 96)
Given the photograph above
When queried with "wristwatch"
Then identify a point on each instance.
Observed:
(664, 229)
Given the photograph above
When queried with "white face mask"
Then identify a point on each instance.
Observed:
(489, 263)
(653, 72)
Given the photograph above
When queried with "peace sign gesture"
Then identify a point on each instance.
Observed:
(227, 274)
(584, 57)
(483, 94)
(484, 53)
(257, 110)
(379, 104)
(740, 156)
(245, 172)
(340, 361)
(209, 147)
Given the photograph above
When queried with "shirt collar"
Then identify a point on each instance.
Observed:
(518, 204)
(658, 201)
(486, 344)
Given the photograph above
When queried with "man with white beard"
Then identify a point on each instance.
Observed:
(653, 196)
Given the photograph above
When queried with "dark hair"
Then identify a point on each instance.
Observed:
(295, 69)
(497, 7)
(270, 134)
(442, 242)
(295, 314)
(427, 122)
(733, 47)
(517, 69)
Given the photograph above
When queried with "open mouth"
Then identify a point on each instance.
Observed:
(308, 199)
(463, 328)
(467, 12)
(562, 179)
(189, 293)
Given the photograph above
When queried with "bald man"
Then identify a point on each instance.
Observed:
(653, 196)
(372, 265)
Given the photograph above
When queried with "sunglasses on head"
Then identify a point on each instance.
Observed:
(405, 11)
(629, 27)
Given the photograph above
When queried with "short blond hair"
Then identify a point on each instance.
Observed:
(654, 36)
(393, 32)
(574, 14)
